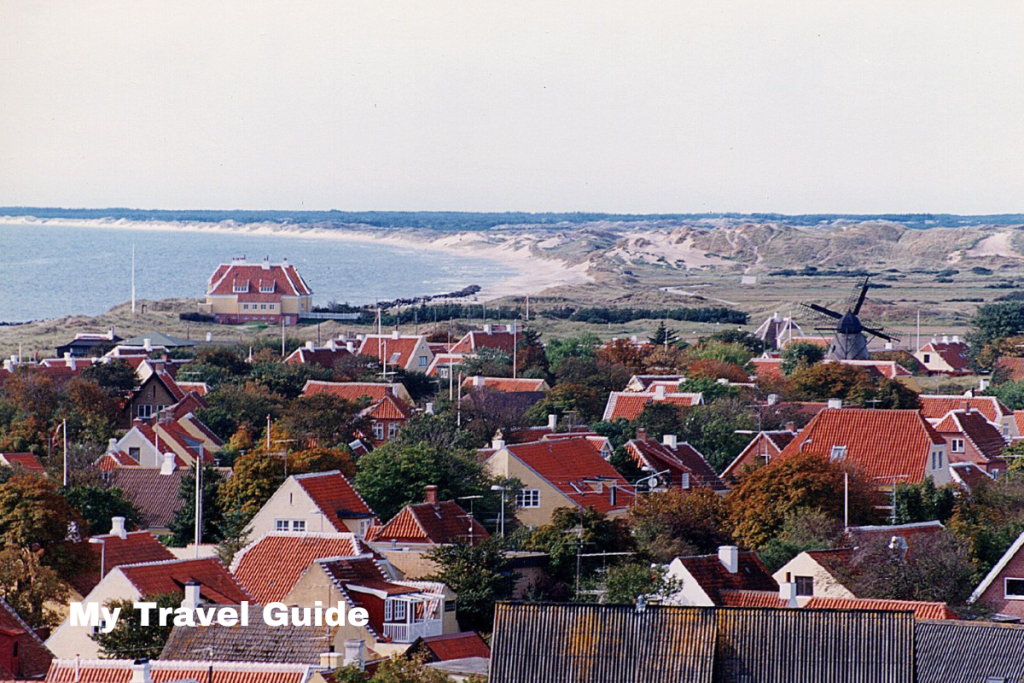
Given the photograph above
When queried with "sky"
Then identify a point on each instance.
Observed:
(638, 107)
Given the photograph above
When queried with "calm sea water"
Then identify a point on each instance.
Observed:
(49, 271)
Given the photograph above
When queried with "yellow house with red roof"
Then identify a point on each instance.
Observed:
(321, 501)
(240, 292)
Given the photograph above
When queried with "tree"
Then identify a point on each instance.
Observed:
(116, 377)
(586, 403)
(97, 505)
(531, 361)
(726, 352)
(287, 380)
(440, 430)
(489, 363)
(395, 475)
(829, 380)
(764, 497)
(626, 582)
(924, 502)
(581, 347)
(663, 336)
(751, 342)
(130, 639)
(479, 575)
(1010, 393)
(30, 587)
(323, 420)
(254, 479)
(802, 530)
(231, 407)
(990, 518)
(800, 355)
(660, 418)
(625, 353)
(33, 513)
(993, 322)
(321, 460)
(667, 524)
(712, 369)
(183, 526)
(92, 414)
(571, 529)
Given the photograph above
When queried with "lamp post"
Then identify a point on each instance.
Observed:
(501, 513)
(103, 554)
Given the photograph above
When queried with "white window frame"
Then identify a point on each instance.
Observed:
(838, 454)
(423, 361)
(378, 431)
(392, 430)
(298, 525)
(957, 445)
(528, 498)
(400, 610)
(240, 289)
(282, 524)
(144, 410)
(1007, 595)
(684, 480)
(267, 289)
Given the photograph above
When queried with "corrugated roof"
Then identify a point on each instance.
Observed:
(968, 652)
(167, 671)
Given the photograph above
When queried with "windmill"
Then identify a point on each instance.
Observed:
(848, 340)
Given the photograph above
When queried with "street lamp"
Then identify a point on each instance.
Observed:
(501, 514)
(103, 554)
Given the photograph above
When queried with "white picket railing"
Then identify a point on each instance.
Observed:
(407, 633)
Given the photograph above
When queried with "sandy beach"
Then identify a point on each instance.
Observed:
(531, 272)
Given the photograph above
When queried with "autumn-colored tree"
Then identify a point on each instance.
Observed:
(625, 353)
(531, 361)
(321, 460)
(30, 587)
(823, 381)
(34, 514)
(92, 413)
(667, 524)
(323, 420)
(254, 479)
(665, 361)
(762, 498)
(716, 369)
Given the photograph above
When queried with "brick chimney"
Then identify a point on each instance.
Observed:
(791, 427)
(430, 496)
(641, 433)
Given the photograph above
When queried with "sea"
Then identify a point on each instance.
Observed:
(48, 271)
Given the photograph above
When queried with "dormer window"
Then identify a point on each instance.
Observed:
(838, 454)
(267, 287)
(240, 287)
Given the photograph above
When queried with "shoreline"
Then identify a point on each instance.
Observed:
(533, 273)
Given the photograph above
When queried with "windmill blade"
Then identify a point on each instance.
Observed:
(824, 311)
(880, 334)
(863, 295)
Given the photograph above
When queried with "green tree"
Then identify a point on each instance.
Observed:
(993, 322)
(990, 518)
(663, 336)
(751, 342)
(323, 420)
(440, 430)
(489, 363)
(727, 352)
(800, 355)
(924, 502)
(97, 505)
(583, 346)
(116, 377)
(287, 380)
(395, 475)
(829, 380)
(231, 407)
(479, 575)
(130, 639)
(660, 418)
(183, 526)
(626, 582)
(572, 529)
(1010, 393)
(802, 530)
(30, 587)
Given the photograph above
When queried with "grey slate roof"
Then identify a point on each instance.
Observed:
(969, 652)
(256, 642)
(545, 643)
(154, 494)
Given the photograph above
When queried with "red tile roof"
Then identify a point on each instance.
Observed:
(332, 493)
(34, 658)
(385, 347)
(349, 391)
(445, 522)
(629, 404)
(751, 598)
(921, 610)
(567, 464)
(936, 407)
(764, 446)
(682, 459)
(29, 461)
(155, 495)
(986, 438)
(166, 671)
(1012, 367)
(954, 353)
(324, 356)
(506, 384)
(713, 577)
(445, 648)
(968, 475)
(887, 445)
(389, 408)
(217, 584)
(286, 279)
(270, 566)
(478, 339)
(766, 368)
(137, 547)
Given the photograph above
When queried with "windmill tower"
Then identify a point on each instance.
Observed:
(848, 335)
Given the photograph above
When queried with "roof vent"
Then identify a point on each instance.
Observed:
(552, 421)
(669, 440)
(395, 334)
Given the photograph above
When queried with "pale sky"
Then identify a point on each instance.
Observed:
(549, 105)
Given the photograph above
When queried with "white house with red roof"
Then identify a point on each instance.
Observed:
(889, 446)
(394, 351)
(559, 473)
(432, 522)
(175, 432)
(240, 292)
(211, 583)
(321, 501)
(946, 357)
(119, 547)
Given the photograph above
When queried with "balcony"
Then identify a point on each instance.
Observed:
(408, 632)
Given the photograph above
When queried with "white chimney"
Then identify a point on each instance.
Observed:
(395, 334)
(350, 346)
(888, 346)
(956, 339)
(192, 599)
(141, 671)
(331, 660)
(167, 465)
(983, 383)
(498, 442)
(552, 421)
(659, 392)
(332, 345)
(787, 593)
(117, 527)
(266, 263)
(209, 336)
(835, 403)
(773, 399)
(110, 333)
(478, 381)
(488, 328)
(429, 408)
(111, 445)
(311, 346)
(8, 365)
(353, 653)
(147, 344)
(669, 440)
(945, 339)
(729, 556)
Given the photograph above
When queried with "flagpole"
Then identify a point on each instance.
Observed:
(64, 426)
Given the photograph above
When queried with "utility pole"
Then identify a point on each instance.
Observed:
(64, 430)
(199, 501)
